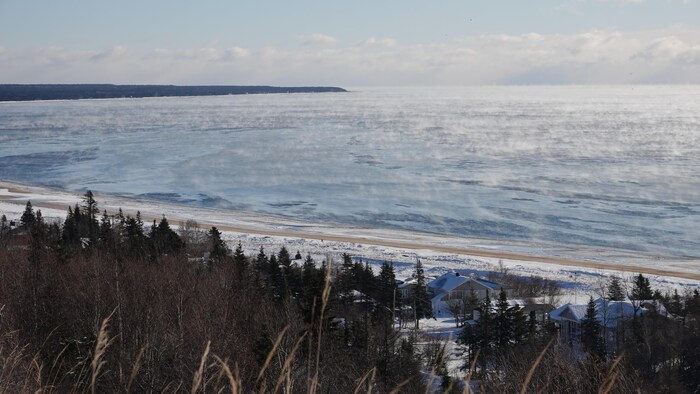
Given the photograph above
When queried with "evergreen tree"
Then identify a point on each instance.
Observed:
(164, 239)
(218, 248)
(261, 261)
(387, 286)
(313, 281)
(297, 256)
(692, 305)
(284, 259)
(483, 333)
(675, 305)
(278, 282)
(523, 329)
(90, 211)
(422, 306)
(3, 223)
(28, 217)
(133, 236)
(346, 280)
(105, 229)
(615, 291)
(641, 290)
(70, 234)
(239, 259)
(591, 332)
(503, 322)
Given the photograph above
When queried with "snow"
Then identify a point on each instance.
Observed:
(323, 241)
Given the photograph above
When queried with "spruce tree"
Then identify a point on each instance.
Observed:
(641, 290)
(261, 261)
(28, 217)
(239, 259)
(218, 248)
(91, 211)
(422, 306)
(484, 331)
(591, 332)
(105, 228)
(615, 290)
(164, 239)
(387, 286)
(3, 223)
(675, 305)
(503, 322)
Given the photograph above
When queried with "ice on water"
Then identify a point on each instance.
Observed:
(596, 166)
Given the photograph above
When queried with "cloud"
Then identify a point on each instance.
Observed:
(623, 1)
(592, 57)
(379, 42)
(318, 39)
(669, 49)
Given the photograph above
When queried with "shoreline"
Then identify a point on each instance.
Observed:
(261, 225)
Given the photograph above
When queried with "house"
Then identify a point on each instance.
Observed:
(452, 287)
(406, 287)
(610, 314)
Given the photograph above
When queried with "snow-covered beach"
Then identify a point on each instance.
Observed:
(579, 270)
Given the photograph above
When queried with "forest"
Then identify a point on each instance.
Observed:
(107, 303)
(17, 92)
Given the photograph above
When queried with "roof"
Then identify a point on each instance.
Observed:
(451, 280)
(607, 312)
(447, 282)
(489, 284)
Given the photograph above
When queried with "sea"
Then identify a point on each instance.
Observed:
(596, 166)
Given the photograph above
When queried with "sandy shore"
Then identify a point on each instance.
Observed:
(55, 199)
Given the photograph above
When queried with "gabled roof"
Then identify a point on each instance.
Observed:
(489, 284)
(451, 280)
(608, 313)
(447, 282)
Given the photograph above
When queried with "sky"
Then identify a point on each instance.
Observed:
(351, 43)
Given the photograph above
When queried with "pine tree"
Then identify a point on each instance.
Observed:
(28, 218)
(105, 228)
(387, 286)
(132, 236)
(591, 330)
(164, 239)
(615, 291)
(218, 248)
(641, 290)
(484, 331)
(278, 282)
(503, 322)
(422, 306)
(3, 223)
(284, 259)
(675, 305)
(261, 261)
(239, 259)
(91, 211)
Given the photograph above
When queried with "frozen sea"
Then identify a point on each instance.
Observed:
(601, 167)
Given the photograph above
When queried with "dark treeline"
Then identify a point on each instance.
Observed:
(99, 91)
(655, 352)
(108, 303)
(268, 322)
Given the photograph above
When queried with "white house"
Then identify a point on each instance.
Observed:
(454, 287)
(610, 314)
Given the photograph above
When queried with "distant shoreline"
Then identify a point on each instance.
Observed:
(36, 92)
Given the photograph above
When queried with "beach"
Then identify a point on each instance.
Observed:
(578, 267)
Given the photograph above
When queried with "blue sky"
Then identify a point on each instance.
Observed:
(354, 43)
